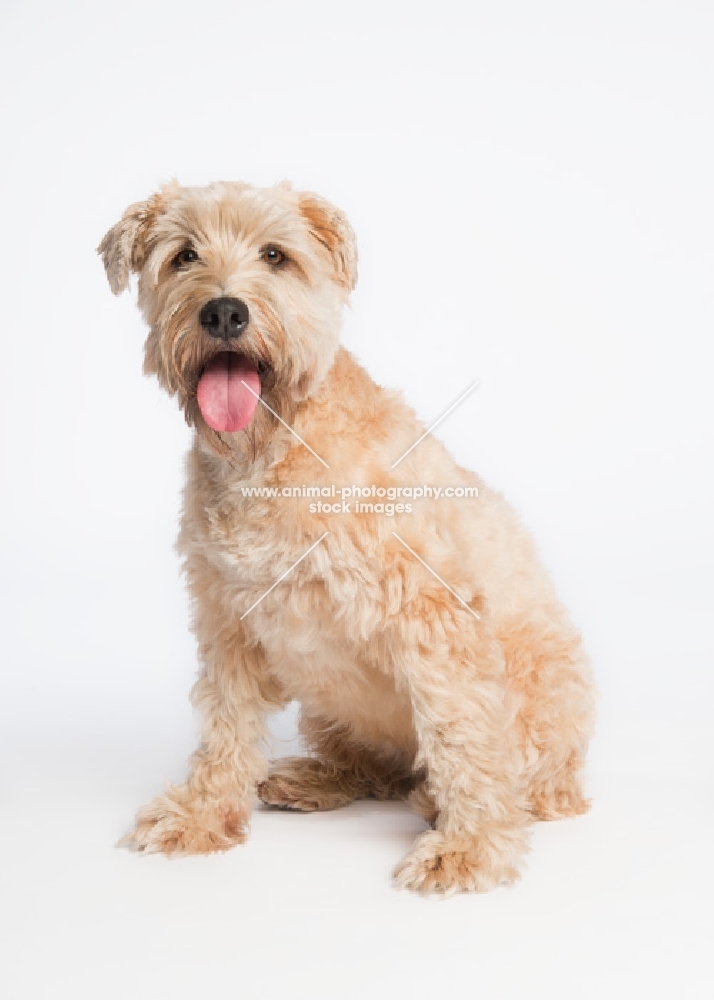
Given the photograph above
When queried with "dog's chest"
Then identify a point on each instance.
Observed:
(308, 572)
(305, 611)
(334, 684)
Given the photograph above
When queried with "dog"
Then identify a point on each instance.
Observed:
(429, 653)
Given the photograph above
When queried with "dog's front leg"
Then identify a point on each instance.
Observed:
(453, 669)
(210, 810)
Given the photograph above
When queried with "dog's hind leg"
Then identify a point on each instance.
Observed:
(340, 772)
(550, 675)
(308, 784)
(559, 795)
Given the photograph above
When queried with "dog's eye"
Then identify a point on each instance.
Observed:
(273, 255)
(187, 256)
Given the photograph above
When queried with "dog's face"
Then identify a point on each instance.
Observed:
(242, 289)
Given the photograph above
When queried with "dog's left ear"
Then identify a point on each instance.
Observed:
(331, 228)
(124, 247)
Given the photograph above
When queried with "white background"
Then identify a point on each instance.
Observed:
(531, 185)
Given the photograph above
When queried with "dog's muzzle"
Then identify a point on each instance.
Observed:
(224, 318)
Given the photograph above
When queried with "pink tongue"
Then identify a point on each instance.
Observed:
(227, 404)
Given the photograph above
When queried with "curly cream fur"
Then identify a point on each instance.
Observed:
(483, 722)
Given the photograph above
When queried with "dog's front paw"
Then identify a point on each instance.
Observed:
(180, 823)
(438, 864)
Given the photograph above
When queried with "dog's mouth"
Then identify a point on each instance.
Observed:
(228, 391)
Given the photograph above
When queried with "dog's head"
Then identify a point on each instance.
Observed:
(242, 289)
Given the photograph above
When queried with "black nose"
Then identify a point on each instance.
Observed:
(224, 317)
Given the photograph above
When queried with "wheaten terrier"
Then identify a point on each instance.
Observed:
(423, 639)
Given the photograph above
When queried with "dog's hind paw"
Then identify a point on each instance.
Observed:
(438, 865)
(181, 825)
(307, 785)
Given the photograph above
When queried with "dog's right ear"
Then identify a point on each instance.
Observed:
(124, 247)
